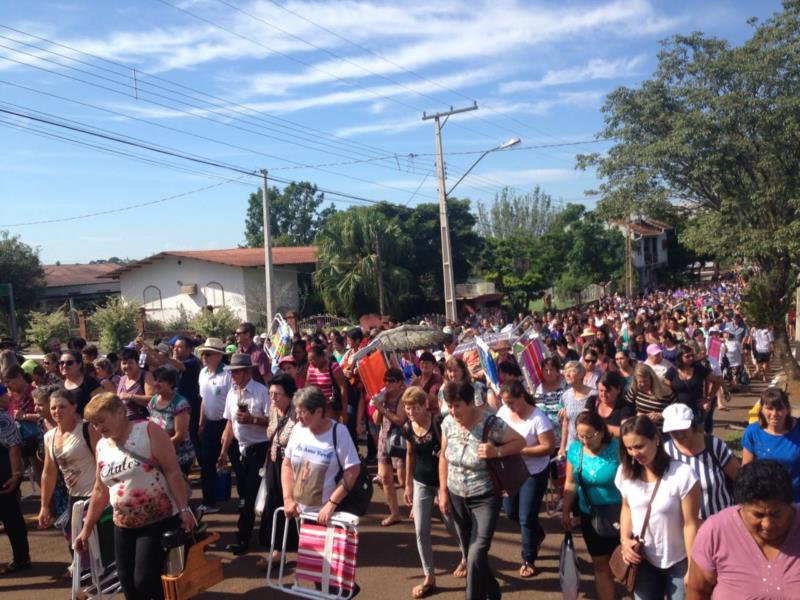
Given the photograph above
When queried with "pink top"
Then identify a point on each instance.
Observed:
(322, 379)
(138, 492)
(724, 546)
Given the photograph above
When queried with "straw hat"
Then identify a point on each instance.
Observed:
(213, 345)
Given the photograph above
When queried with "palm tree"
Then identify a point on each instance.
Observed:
(347, 275)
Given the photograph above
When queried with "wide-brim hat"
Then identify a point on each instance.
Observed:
(239, 361)
(588, 332)
(213, 344)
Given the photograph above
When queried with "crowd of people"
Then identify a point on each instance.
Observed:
(622, 416)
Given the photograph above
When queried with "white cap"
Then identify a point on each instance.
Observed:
(677, 417)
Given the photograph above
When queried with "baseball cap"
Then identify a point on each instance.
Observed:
(653, 349)
(677, 417)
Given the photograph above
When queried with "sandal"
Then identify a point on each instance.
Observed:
(13, 567)
(389, 521)
(527, 570)
(461, 570)
(424, 590)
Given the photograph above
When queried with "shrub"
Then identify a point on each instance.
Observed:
(182, 322)
(116, 322)
(219, 323)
(43, 326)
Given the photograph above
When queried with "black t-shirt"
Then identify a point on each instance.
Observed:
(688, 391)
(622, 410)
(426, 451)
(189, 382)
(83, 393)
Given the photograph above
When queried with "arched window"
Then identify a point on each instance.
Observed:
(215, 295)
(152, 298)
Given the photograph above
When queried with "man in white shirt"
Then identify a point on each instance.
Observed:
(763, 346)
(215, 383)
(246, 410)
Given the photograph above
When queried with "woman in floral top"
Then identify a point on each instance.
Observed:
(138, 473)
(281, 421)
(170, 411)
(466, 490)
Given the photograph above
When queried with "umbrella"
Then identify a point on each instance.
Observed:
(405, 337)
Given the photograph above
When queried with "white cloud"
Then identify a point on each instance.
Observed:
(596, 68)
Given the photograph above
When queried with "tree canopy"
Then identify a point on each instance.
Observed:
(295, 215)
(20, 266)
(516, 215)
(716, 131)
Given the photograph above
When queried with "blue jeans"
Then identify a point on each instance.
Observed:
(653, 583)
(523, 509)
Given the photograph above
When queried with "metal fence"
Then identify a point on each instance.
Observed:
(324, 322)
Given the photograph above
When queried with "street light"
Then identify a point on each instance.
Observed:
(504, 146)
(447, 263)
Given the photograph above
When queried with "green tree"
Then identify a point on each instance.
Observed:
(347, 262)
(217, 323)
(44, 326)
(295, 215)
(20, 266)
(716, 129)
(116, 322)
(517, 215)
(514, 265)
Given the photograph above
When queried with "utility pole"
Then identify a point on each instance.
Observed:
(267, 247)
(379, 265)
(628, 260)
(450, 310)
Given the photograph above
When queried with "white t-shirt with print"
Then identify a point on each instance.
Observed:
(314, 465)
(530, 429)
(762, 340)
(214, 388)
(663, 541)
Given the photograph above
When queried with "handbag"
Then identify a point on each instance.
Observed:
(623, 572)
(360, 495)
(509, 473)
(263, 488)
(604, 517)
(396, 442)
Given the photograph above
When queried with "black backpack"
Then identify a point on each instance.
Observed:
(359, 497)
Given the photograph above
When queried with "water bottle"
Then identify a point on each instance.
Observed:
(173, 543)
(142, 359)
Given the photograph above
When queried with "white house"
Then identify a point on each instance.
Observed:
(649, 244)
(175, 281)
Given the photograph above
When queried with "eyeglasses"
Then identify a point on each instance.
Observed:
(66, 363)
(588, 438)
(238, 332)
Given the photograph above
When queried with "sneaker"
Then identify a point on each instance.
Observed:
(208, 510)
(241, 504)
(237, 548)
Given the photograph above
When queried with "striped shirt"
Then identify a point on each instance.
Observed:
(712, 479)
(323, 379)
(646, 402)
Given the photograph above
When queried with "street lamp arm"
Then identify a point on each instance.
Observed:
(467, 172)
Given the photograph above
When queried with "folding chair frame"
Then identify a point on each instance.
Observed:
(99, 582)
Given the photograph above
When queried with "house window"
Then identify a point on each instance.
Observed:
(215, 295)
(152, 298)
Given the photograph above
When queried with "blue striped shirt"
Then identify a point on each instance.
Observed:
(712, 479)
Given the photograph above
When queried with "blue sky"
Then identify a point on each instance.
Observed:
(329, 92)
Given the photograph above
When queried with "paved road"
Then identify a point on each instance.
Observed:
(388, 564)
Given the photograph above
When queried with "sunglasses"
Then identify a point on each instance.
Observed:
(390, 380)
(589, 361)
(238, 332)
(66, 363)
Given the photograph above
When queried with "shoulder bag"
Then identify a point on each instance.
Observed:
(360, 495)
(604, 517)
(263, 488)
(623, 572)
(509, 473)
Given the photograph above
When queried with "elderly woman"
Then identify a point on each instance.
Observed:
(649, 480)
(712, 461)
(776, 435)
(750, 550)
(648, 395)
(318, 470)
(609, 402)
(69, 449)
(592, 462)
(281, 421)
(574, 401)
(519, 411)
(170, 411)
(138, 473)
(465, 485)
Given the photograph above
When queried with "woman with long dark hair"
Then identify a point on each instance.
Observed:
(649, 479)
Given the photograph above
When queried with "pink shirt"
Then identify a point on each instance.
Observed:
(724, 546)
(322, 379)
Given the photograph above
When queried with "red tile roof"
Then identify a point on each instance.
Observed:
(66, 275)
(235, 257)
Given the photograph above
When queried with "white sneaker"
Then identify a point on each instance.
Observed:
(208, 510)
